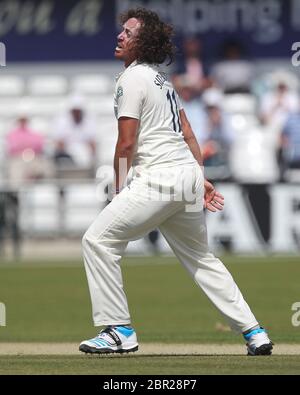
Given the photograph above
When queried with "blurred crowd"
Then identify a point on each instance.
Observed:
(247, 125)
(70, 148)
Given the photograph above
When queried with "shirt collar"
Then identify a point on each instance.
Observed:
(134, 63)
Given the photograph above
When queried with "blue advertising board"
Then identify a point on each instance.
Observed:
(86, 30)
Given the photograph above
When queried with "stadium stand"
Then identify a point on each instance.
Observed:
(44, 92)
(92, 84)
(47, 85)
(11, 85)
(40, 210)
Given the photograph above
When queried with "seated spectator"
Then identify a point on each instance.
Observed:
(291, 141)
(22, 138)
(75, 136)
(217, 137)
(277, 104)
(191, 66)
(25, 153)
(234, 73)
(25, 162)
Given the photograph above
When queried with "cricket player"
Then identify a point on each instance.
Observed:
(168, 191)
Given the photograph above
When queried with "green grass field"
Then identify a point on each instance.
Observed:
(49, 302)
(156, 365)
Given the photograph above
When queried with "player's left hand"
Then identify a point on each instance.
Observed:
(213, 200)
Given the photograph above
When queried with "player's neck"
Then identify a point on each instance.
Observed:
(129, 63)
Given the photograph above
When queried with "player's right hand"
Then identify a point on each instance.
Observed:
(213, 200)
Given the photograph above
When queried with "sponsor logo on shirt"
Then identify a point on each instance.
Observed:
(119, 92)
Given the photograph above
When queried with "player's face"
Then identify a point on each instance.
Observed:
(125, 49)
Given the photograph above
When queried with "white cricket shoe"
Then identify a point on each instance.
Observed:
(258, 342)
(118, 339)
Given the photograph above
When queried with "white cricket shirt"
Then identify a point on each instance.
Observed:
(144, 93)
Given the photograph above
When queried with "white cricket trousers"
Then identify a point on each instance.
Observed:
(149, 203)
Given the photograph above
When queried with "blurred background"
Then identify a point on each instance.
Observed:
(238, 85)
